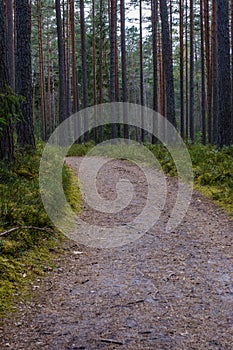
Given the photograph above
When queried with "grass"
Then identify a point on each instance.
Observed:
(27, 254)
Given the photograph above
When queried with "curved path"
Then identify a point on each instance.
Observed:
(162, 291)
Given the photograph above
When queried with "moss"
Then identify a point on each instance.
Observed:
(26, 254)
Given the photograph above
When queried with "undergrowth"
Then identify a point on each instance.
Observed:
(26, 254)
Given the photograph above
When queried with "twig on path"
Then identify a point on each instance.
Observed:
(111, 341)
(25, 228)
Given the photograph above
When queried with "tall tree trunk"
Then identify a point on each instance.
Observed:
(181, 7)
(75, 92)
(161, 76)
(224, 82)
(94, 68)
(215, 72)
(49, 84)
(191, 74)
(116, 53)
(74, 65)
(61, 64)
(124, 67)
(10, 42)
(186, 74)
(6, 132)
(154, 17)
(41, 63)
(67, 58)
(141, 73)
(203, 89)
(101, 62)
(231, 65)
(84, 67)
(112, 65)
(208, 69)
(168, 64)
(25, 134)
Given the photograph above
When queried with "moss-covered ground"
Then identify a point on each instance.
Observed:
(26, 254)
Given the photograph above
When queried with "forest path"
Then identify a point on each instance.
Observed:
(162, 291)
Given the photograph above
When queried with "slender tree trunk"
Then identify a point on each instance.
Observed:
(53, 103)
(74, 66)
(203, 89)
(94, 68)
(101, 61)
(181, 6)
(208, 69)
(154, 16)
(231, 65)
(116, 53)
(112, 65)
(41, 63)
(161, 77)
(141, 74)
(49, 84)
(215, 72)
(84, 67)
(67, 58)
(124, 67)
(6, 132)
(25, 133)
(224, 82)
(75, 93)
(186, 74)
(191, 76)
(10, 42)
(168, 64)
(61, 63)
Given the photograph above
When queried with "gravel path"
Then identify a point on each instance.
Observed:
(162, 291)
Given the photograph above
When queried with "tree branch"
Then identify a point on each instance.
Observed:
(25, 228)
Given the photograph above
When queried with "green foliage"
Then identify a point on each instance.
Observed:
(80, 150)
(213, 171)
(24, 254)
(9, 107)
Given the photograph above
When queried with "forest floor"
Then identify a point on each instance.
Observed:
(162, 291)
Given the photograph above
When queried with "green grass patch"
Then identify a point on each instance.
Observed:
(213, 171)
(25, 254)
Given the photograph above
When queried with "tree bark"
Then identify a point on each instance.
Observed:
(168, 64)
(203, 89)
(124, 67)
(25, 133)
(61, 64)
(224, 81)
(154, 17)
(41, 63)
(191, 74)
(84, 67)
(6, 132)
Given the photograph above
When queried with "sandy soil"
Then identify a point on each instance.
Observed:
(162, 291)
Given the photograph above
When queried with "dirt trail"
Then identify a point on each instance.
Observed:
(163, 291)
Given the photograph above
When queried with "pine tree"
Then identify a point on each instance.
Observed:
(25, 133)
